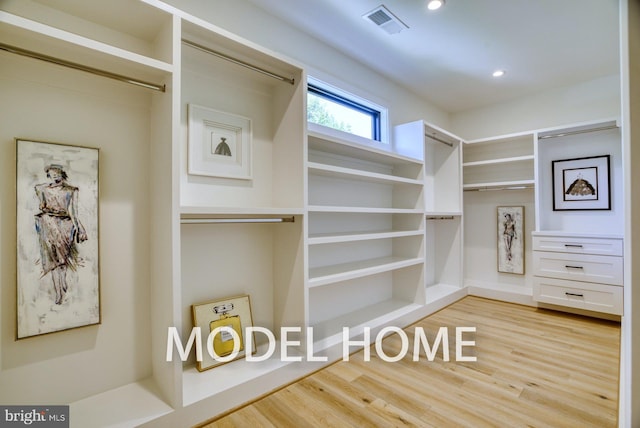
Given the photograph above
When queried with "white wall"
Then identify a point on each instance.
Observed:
(321, 61)
(582, 102)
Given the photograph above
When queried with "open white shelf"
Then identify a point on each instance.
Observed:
(336, 273)
(97, 410)
(325, 139)
(439, 291)
(334, 171)
(363, 210)
(213, 212)
(201, 385)
(373, 316)
(332, 238)
(511, 185)
(499, 161)
(54, 42)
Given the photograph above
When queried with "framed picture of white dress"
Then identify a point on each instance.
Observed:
(581, 183)
(511, 240)
(58, 271)
(219, 144)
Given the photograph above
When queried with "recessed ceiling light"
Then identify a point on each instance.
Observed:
(435, 4)
(498, 73)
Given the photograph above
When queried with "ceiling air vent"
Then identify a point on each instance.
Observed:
(383, 18)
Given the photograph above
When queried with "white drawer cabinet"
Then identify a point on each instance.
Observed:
(579, 267)
(578, 245)
(584, 272)
(576, 294)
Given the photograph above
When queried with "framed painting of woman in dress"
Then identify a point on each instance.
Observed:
(511, 240)
(58, 275)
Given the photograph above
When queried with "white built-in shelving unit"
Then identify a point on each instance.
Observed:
(160, 250)
(228, 242)
(579, 140)
(349, 249)
(516, 170)
(578, 256)
(366, 233)
(499, 162)
(442, 153)
(371, 233)
(498, 171)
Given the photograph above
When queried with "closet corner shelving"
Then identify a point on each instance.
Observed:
(498, 171)
(442, 152)
(501, 162)
(365, 234)
(579, 140)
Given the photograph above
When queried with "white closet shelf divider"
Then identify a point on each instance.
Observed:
(499, 161)
(326, 275)
(500, 185)
(336, 171)
(372, 316)
(38, 37)
(333, 238)
(364, 210)
(359, 148)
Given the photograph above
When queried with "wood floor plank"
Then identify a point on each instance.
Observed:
(535, 368)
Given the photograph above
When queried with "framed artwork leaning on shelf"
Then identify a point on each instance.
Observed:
(225, 320)
(511, 240)
(219, 144)
(58, 274)
(581, 183)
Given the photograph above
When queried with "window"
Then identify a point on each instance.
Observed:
(338, 110)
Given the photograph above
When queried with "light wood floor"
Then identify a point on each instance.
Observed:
(535, 368)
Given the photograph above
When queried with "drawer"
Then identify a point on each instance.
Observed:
(581, 295)
(578, 245)
(578, 267)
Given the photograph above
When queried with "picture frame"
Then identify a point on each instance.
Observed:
(234, 312)
(57, 221)
(219, 144)
(582, 183)
(510, 220)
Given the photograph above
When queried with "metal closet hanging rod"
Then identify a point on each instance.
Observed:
(80, 67)
(231, 220)
(439, 140)
(237, 61)
(579, 131)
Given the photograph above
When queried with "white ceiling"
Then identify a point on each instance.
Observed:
(448, 55)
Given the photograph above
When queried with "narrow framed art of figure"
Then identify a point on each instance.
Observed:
(57, 206)
(511, 240)
(222, 324)
(581, 183)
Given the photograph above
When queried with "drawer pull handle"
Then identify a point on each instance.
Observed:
(573, 267)
(573, 245)
(574, 294)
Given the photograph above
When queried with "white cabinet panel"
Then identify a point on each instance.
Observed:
(578, 245)
(577, 271)
(589, 268)
(581, 295)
